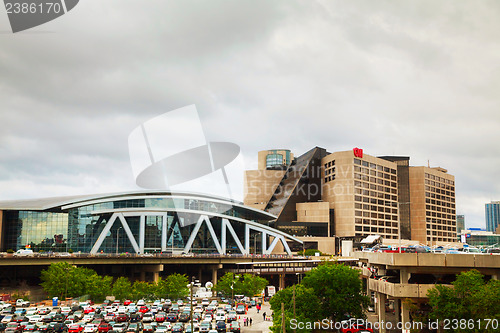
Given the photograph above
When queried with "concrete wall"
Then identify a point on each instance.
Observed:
(259, 186)
(313, 212)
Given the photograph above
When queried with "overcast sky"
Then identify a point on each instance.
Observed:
(419, 79)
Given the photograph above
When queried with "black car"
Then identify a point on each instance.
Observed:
(58, 318)
(135, 317)
(184, 317)
(57, 327)
(221, 326)
(172, 317)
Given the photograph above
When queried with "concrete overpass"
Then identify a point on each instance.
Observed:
(141, 267)
(415, 274)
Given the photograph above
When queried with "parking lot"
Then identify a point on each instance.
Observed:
(160, 316)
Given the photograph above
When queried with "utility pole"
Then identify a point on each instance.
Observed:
(191, 303)
(283, 317)
(294, 316)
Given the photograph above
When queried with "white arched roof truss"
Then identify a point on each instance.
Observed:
(265, 231)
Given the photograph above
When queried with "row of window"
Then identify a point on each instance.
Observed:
(377, 230)
(375, 215)
(439, 179)
(440, 203)
(441, 233)
(440, 239)
(374, 180)
(329, 164)
(441, 227)
(441, 221)
(442, 192)
(376, 222)
(374, 173)
(372, 186)
(329, 178)
(375, 202)
(440, 209)
(377, 194)
(374, 166)
(440, 215)
(439, 185)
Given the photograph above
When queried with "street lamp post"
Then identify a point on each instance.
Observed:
(117, 239)
(232, 289)
(191, 303)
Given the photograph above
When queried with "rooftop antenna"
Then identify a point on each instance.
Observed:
(428, 164)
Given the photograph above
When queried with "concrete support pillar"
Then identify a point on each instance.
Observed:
(397, 309)
(156, 276)
(381, 298)
(405, 313)
(495, 275)
(142, 276)
(214, 276)
(404, 275)
(282, 281)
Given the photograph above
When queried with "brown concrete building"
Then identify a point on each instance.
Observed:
(433, 214)
(363, 193)
(351, 195)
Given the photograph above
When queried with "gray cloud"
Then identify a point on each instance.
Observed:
(415, 79)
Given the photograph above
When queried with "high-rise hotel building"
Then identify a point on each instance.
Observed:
(351, 195)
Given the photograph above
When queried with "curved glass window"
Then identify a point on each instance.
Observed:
(274, 159)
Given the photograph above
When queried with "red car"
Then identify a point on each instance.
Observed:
(160, 317)
(75, 328)
(143, 309)
(121, 317)
(104, 327)
(88, 310)
(354, 326)
(127, 302)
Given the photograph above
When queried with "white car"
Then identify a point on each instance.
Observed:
(90, 328)
(87, 318)
(220, 316)
(66, 310)
(35, 318)
(31, 311)
(205, 302)
(141, 302)
(7, 319)
(163, 328)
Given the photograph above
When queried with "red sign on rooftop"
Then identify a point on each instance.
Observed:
(358, 152)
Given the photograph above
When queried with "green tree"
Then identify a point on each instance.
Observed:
(470, 298)
(141, 289)
(64, 280)
(252, 285)
(307, 307)
(55, 279)
(173, 286)
(122, 288)
(229, 284)
(98, 287)
(339, 290)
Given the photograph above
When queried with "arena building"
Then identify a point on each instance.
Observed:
(140, 222)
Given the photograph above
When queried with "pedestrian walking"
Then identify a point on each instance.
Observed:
(264, 316)
(251, 321)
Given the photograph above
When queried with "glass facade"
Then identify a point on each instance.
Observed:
(79, 228)
(492, 212)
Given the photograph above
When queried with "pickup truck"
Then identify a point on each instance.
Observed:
(22, 303)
